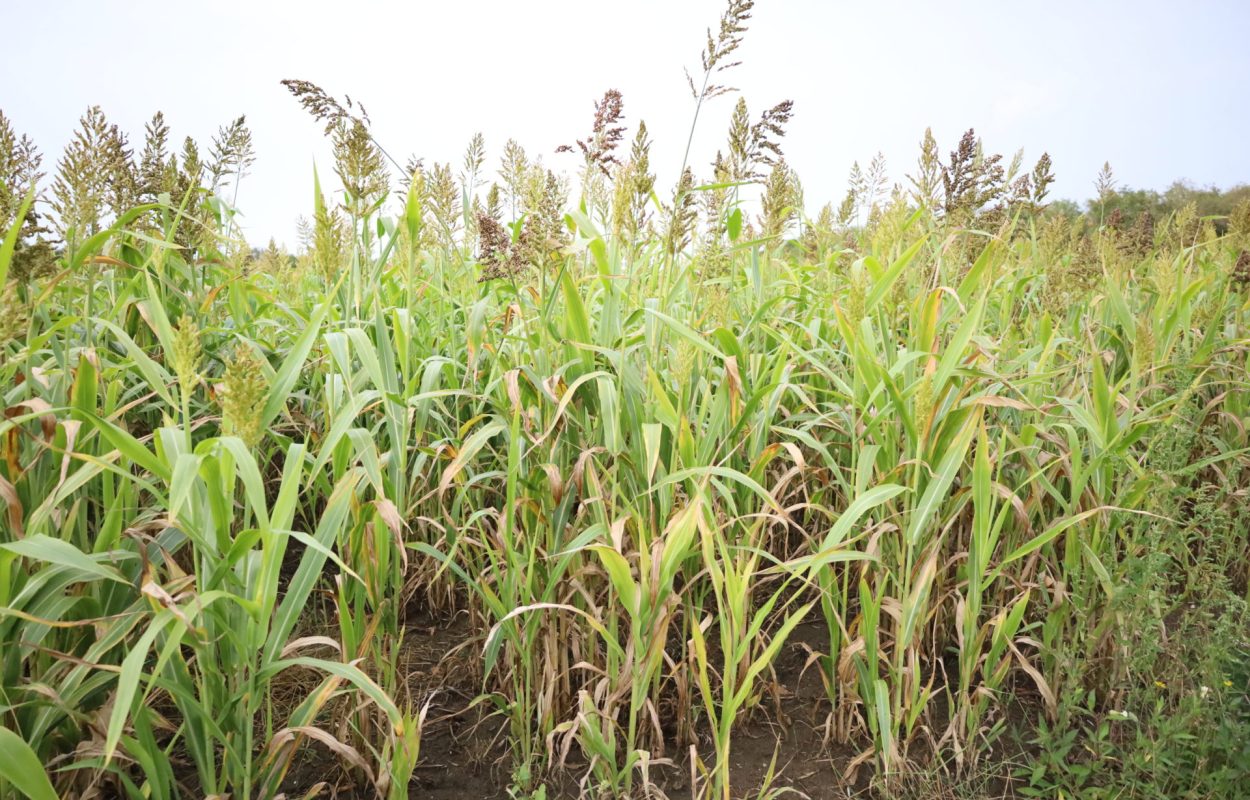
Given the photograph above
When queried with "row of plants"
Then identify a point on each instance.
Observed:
(997, 457)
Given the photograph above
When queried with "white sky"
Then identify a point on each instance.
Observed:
(1158, 88)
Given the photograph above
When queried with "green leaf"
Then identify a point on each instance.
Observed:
(308, 573)
(729, 474)
(12, 236)
(470, 448)
(687, 333)
(348, 672)
(131, 675)
(21, 767)
(886, 281)
(55, 551)
(92, 245)
(158, 378)
(1046, 536)
(734, 224)
(293, 365)
(858, 507)
(576, 319)
(770, 653)
(621, 577)
(940, 484)
(128, 446)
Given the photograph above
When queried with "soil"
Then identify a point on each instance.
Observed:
(464, 748)
(464, 751)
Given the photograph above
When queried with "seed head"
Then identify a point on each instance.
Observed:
(322, 106)
(1043, 176)
(495, 250)
(1239, 220)
(245, 390)
(186, 354)
(1241, 271)
(857, 296)
(12, 315)
(682, 215)
(924, 400)
(1142, 236)
(972, 179)
(359, 164)
(722, 45)
(1143, 343)
(605, 134)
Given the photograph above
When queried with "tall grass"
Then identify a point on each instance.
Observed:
(229, 490)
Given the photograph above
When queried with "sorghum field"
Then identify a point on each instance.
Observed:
(506, 485)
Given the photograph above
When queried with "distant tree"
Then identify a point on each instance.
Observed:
(1209, 201)
(1126, 205)
(1064, 208)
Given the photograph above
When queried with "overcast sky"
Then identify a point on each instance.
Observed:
(1160, 89)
